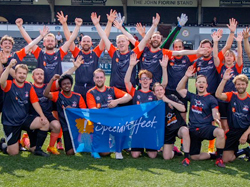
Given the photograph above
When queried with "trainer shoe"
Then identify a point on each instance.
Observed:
(219, 162)
(118, 156)
(25, 141)
(177, 152)
(53, 150)
(59, 145)
(40, 153)
(95, 155)
(1, 143)
(186, 162)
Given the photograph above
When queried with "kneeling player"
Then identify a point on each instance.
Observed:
(175, 125)
(238, 117)
(65, 98)
(203, 110)
(19, 95)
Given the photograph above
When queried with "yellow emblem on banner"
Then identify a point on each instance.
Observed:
(84, 126)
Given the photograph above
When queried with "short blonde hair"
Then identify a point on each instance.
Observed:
(99, 70)
(241, 77)
(49, 35)
(36, 70)
(8, 38)
(22, 66)
(121, 36)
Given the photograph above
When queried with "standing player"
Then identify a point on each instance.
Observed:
(46, 104)
(175, 126)
(49, 60)
(229, 62)
(108, 97)
(143, 95)
(65, 98)
(19, 95)
(121, 55)
(90, 57)
(238, 116)
(203, 111)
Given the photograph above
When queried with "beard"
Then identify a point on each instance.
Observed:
(155, 45)
(86, 48)
(49, 48)
(20, 81)
(99, 86)
(241, 91)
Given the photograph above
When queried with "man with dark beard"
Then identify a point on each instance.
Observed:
(102, 96)
(238, 115)
(50, 60)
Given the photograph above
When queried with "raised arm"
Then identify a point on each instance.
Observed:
(246, 42)
(239, 59)
(77, 63)
(63, 20)
(25, 35)
(171, 37)
(119, 26)
(164, 64)
(43, 33)
(6, 73)
(46, 92)
(216, 38)
(219, 92)
(199, 51)
(232, 27)
(180, 107)
(73, 36)
(141, 29)
(113, 103)
(181, 87)
(132, 63)
(150, 32)
(102, 34)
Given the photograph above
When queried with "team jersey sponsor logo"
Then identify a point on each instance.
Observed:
(150, 98)
(171, 119)
(155, 56)
(197, 108)
(210, 62)
(26, 94)
(233, 109)
(97, 98)
(74, 104)
(137, 102)
(138, 97)
(110, 97)
(184, 61)
(55, 57)
(198, 69)
(98, 105)
(245, 108)
(171, 63)
(44, 63)
(143, 58)
(117, 59)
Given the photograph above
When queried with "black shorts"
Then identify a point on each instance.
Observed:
(50, 117)
(82, 90)
(142, 150)
(198, 135)
(232, 139)
(174, 92)
(223, 109)
(13, 133)
(67, 141)
(171, 134)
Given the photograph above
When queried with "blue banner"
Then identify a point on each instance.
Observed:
(111, 130)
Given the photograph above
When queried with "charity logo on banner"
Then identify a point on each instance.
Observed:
(115, 129)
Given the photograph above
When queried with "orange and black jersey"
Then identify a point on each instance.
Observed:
(17, 102)
(84, 74)
(120, 64)
(62, 101)
(50, 63)
(141, 97)
(99, 99)
(238, 109)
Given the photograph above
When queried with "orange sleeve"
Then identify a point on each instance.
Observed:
(137, 51)
(82, 103)
(33, 96)
(90, 100)
(53, 87)
(219, 67)
(192, 57)
(167, 52)
(55, 96)
(8, 86)
(37, 52)
(217, 107)
(239, 68)
(221, 56)
(119, 93)
(136, 43)
(229, 96)
(132, 91)
(75, 52)
(63, 54)
(98, 51)
(21, 54)
(195, 67)
(112, 50)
